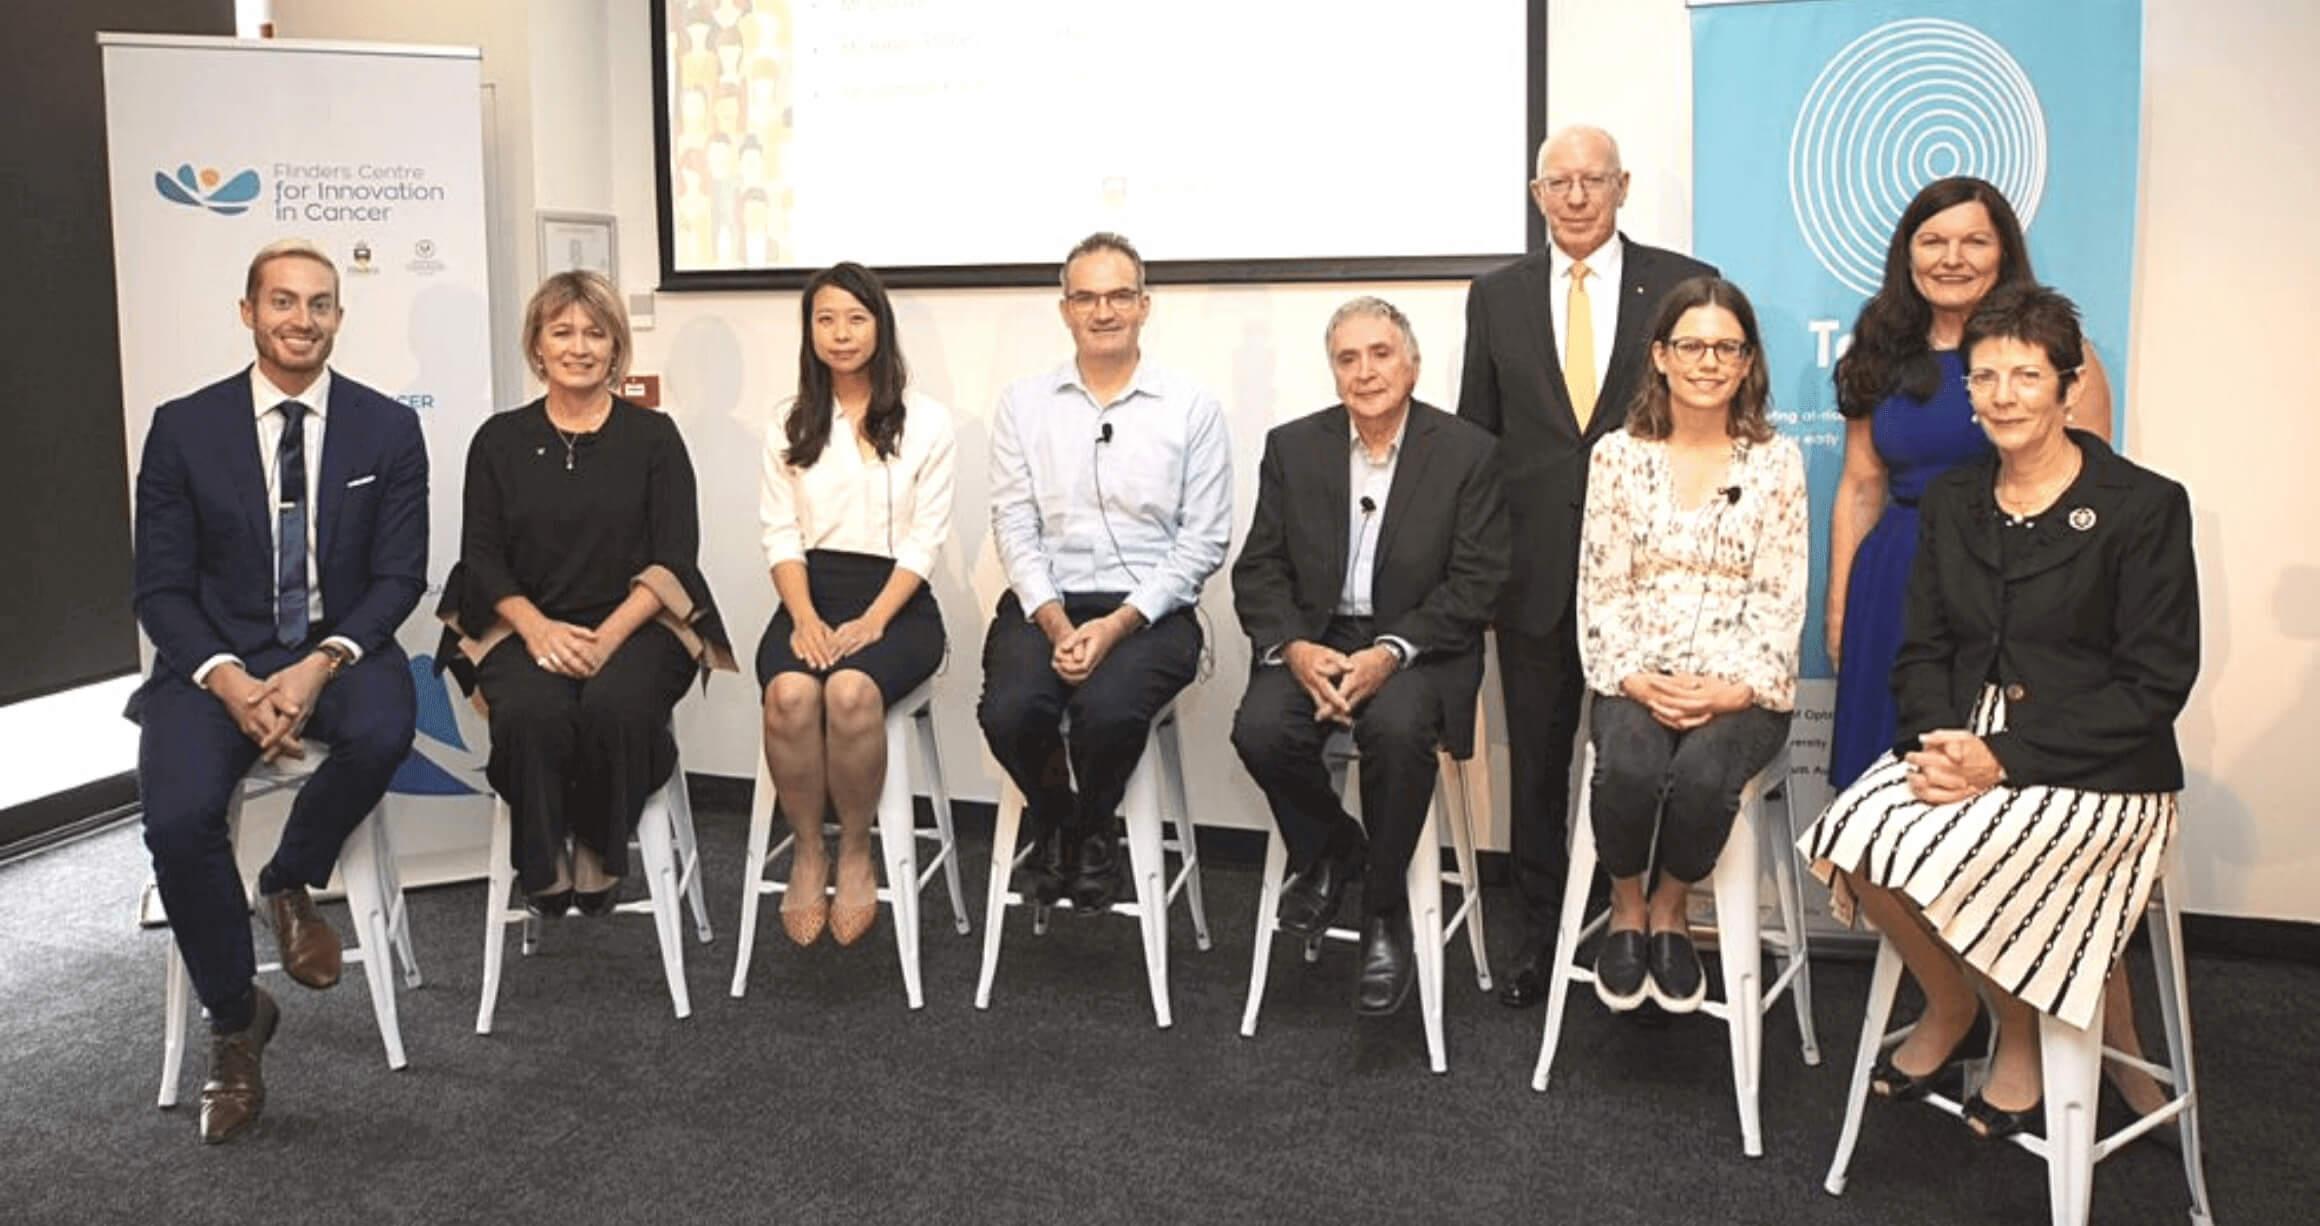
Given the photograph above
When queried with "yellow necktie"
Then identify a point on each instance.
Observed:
(1579, 348)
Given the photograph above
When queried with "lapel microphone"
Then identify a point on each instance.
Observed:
(1368, 507)
(1105, 435)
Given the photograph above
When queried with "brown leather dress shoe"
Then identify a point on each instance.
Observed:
(236, 1090)
(310, 951)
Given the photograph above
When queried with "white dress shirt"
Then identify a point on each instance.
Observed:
(897, 508)
(1373, 480)
(1604, 269)
(265, 401)
(1148, 513)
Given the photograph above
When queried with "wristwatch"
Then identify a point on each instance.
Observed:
(338, 656)
(1394, 649)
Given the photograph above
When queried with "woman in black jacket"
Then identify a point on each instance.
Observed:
(2014, 832)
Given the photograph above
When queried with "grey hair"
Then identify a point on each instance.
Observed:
(1375, 308)
(1101, 240)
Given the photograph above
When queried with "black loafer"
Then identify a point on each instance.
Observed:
(1095, 882)
(1677, 983)
(1622, 973)
(1526, 987)
(1042, 877)
(1310, 899)
(1389, 965)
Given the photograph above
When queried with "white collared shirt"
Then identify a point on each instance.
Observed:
(897, 508)
(265, 401)
(1373, 480)
(1605, 266)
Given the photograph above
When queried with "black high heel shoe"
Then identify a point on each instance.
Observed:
(1996, 1123)
(550, 905)
(596, 904)
(1889, 1082)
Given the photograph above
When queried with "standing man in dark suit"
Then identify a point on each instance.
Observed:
(281, 537)
(1377, 552)
(1554, 345)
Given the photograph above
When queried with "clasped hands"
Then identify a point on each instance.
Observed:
(1953, 765)
(822, 645)
(1079, 649)
(273, 711)
(568, 650)
(1337, 681)
(1684, 701)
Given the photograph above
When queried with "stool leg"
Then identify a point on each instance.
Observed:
(930, 760)
(1423, 881)
(1180, 809)
(1884, 984)
(1469, 874)
(1149, 864)
(761, 811)
(176, 1004)
(898, 839)
(2175, 1008)
(688, 852)
(366, 902)
(1268, 923)
(1739, 945)
(654, 840)
(1785, 879)
(398, 913)
(1003, 832)
(2071, 1060)
(500, 879)
(1569, 924)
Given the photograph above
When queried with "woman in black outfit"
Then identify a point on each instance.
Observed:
(577, 606)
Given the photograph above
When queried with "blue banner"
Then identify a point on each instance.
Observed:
(1815, 121)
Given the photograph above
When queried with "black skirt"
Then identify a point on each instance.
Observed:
(843, 585)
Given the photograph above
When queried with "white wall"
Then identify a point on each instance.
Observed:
(2230, 165)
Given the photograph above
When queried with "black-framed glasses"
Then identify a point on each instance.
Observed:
(1691, 350)
(1084, 300)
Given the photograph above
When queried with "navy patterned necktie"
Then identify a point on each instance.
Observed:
(290, 527)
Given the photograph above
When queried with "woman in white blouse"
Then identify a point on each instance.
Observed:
(856, 503)
(1691, 602)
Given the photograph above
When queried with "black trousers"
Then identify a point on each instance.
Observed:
(1398, 732)
(1686, 784)
(576, 758)
(1539, 677)
(190, 758)
(1024, 703)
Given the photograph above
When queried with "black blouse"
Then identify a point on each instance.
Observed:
(571, 525)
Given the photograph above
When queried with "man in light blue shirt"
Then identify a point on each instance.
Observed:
(1111, 502)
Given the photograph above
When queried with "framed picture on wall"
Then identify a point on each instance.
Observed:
(579, 240)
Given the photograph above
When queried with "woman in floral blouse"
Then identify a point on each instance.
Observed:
(1691, 603)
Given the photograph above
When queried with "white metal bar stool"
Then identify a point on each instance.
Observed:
(909, 723)
(1740, 939)
(1155, 795)
(374, 897)
(2072, 1060)
(1424, 882)
(665, 846)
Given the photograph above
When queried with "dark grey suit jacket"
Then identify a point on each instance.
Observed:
(1441, 547)
(1513, 387)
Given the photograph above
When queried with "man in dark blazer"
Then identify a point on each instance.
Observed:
(1555, 344)
(1377, 551)
(281, 538)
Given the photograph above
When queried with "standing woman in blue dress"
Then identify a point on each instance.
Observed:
(856, 505)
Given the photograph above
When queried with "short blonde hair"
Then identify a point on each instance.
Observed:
(592, 294)
(284, 249)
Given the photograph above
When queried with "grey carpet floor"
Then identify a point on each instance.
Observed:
(821, 1097)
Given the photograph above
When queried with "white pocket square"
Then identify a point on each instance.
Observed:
(362, 481)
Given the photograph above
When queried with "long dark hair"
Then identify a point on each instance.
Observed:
(1649, 417)
(809, 418)
(1890, 352)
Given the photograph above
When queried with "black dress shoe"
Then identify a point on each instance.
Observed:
(1053, 855)
(1527, 986)
(1389, 965)
(1677, 983)
(596, 904)
(1622, 970)
(1310, 899)
(236, 1090)
(1095, 882)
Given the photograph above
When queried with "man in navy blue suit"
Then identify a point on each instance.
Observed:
(281, 538)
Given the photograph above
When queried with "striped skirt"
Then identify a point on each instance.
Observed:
(2036, 887)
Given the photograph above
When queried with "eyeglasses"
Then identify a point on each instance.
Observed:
(1591, 185)
(2025, 380)
(1691, 350)
(1084, 301)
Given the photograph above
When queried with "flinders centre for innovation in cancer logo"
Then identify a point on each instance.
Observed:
(208, 189)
